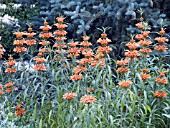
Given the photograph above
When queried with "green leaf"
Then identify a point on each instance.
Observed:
(148, 108)
(40, 123)
(35, 111)
(167, 115)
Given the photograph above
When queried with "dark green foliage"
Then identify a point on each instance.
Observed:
(85, 16)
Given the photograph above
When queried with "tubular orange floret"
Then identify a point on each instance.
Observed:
(161, 80)
(160, 94)
(87, 99)
(144, 70)
(132, 46)
(140, 25)
(19, 111)
(125, 83)
(161, 48)
(145, 76)
(30, 35)
(162, 73)
(122, 62)
(60, 19)
(145, 33)
(162, 32)
(76, 77)
(18, 34)
(123, 70)
(161, 40)
(69, 96)
(89, 89)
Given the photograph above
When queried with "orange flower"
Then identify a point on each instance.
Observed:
(161, 80)
(90, 89)
(104, 42)
(145, 42)
(99, 56)
(160, 48)
(161, 74)
(30, 42)
(161, 40)
(30, 35)
(39, 60)
(69, 96)
(140, 25)
(103, 35)
(78, 69)
(44, 43)
(145, 33)
(145, 50)
(87, 99)
(123, 70)
(60, 38)
(76, 77)
(19, 34)
(8, 90)
(1, 92)
(73, 44)
(60, 32)
(83, 49)
(132, 54)
(19, 49)
(19, 111)
(1, 53)
(85, 38)
(95, 62)
(40, 67)
(0, 86)
(162, 32)
(145, 70)
(60, 26)
(29, 29)
(19, 42)
(102, 63)
(132, 46)
(58, 58)
(74, 50)
(10, 70)
(45, 23)
(145, 76)
(83, 61)
(160, 94)
(60, 19)
(8, 85)
(122, 62)
(10, 63)
(45, 35)
(139, 37)
(45, 28)
(104, 50)
(18, 107)
(44, 50)
(88, 54)
(125, 83)
(85, 44)
(40, 54)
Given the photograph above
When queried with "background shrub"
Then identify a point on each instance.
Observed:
(84, 17)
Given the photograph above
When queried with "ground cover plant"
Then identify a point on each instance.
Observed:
(69, 83)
